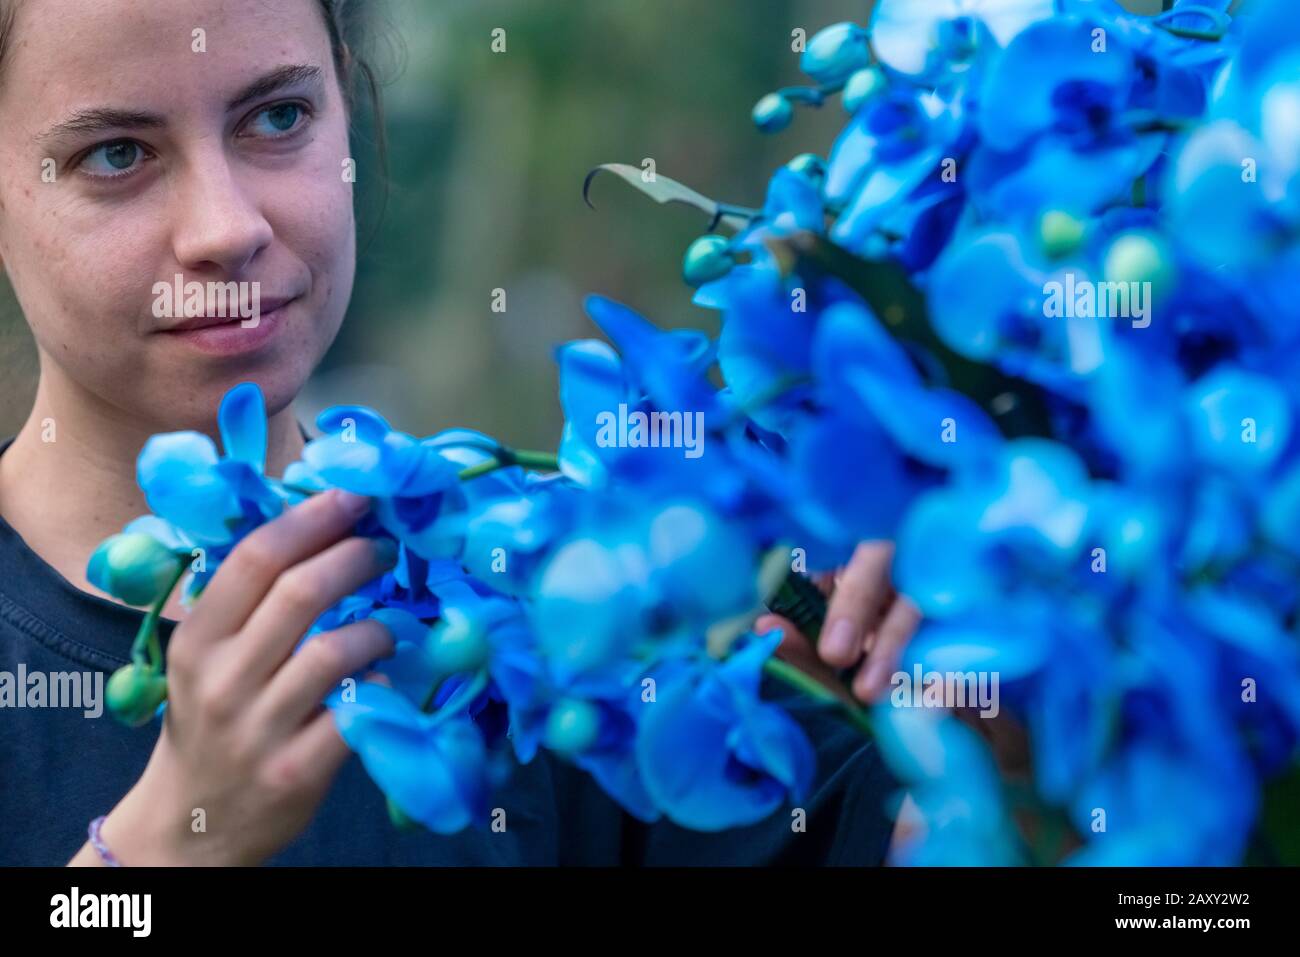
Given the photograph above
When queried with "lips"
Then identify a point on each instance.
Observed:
(267, 306)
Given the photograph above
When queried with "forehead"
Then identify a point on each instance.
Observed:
(149, 54)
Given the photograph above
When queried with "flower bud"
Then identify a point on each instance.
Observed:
(1140, 256)
(1060, 233)
(707, 259)
(836, 52)
(572, 726)
(133, 694)
(134, 567)
(860, 87)
(458, 643)
(773, 113)
(809, 165)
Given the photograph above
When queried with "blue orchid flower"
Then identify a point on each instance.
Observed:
(952, 780)
(642, 585)
(213, 500)
(1126, 573)
(712, 755)
(918, 36)
(418, 496)
(433, 768)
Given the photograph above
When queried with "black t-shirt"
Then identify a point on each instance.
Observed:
(59, 768)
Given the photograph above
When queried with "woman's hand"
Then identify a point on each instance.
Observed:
(867, 624)
(246, 747)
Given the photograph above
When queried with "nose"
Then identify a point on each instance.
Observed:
(220, 226)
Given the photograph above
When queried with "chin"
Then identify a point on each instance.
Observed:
(280, 385)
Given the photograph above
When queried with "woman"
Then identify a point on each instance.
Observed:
(208, 139)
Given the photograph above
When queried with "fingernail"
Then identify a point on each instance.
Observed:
(838, 642)
(362, 644)
(351, 503)
(386, 551)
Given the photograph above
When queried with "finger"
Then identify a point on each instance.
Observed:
(298, 598)
(857, 604)
(873, 633)
(795, 646)
(872, 679)
(253, 566)
(317, 668)
(313, 756)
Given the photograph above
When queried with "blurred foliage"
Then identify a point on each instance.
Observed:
(489, 151)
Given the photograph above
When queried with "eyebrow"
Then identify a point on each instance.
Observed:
(103, 119)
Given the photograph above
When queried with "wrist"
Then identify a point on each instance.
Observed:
(140, 834)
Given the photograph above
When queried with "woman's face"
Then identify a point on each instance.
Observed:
(142, 140)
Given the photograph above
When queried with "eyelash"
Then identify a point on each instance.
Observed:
(307, 115)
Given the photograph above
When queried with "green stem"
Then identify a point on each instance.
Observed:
(788, 674)
(508, 457)
(504, 458)
(536, 460)
(811, 95)
(146, 639)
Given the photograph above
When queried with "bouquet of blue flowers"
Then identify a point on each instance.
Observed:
(1032, 317)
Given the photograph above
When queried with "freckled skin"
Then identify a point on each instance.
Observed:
(207, 203)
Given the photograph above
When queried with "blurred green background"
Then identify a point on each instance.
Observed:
(488, 152)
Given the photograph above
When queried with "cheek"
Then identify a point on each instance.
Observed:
(78, 288)
(320, 229)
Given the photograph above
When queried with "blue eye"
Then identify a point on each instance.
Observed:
(279, 120)
(110, 160)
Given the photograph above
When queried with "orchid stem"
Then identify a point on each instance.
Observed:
(501, 458)
(146, 639)
(788, 674)
(505, 458)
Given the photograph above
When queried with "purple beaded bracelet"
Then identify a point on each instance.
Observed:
(97, 842)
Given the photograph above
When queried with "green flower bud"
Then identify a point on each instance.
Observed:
(810, 165)
(1140, 256)
(572, 726)
(458, 643)
(1060, 233)
(773, 113)
(860, 87)
(836, 52)
(707, 259)
(134, 567)
(133, 694)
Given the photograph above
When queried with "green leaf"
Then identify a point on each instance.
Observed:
(665, 190)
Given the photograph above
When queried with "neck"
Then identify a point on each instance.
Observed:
(68, 481)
